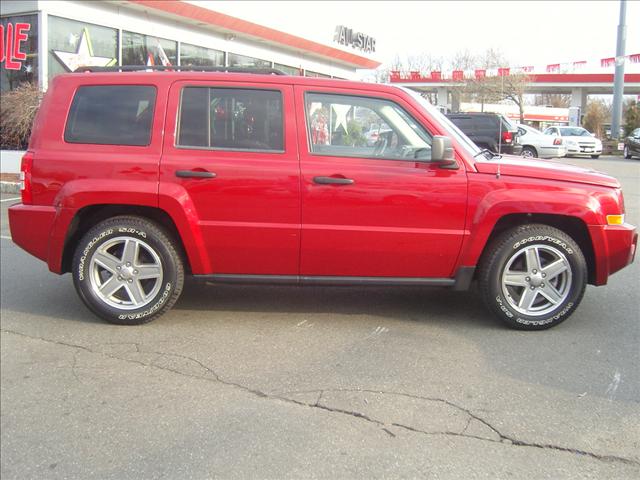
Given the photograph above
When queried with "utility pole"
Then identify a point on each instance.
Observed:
(618, 83)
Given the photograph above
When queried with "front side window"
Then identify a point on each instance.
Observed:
(231, 119)
(349, 126)
(111, 115)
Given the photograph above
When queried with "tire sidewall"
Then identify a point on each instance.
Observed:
(81, 271)
(529, 149)
(512, 246)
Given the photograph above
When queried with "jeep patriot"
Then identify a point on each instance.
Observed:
(134, 179)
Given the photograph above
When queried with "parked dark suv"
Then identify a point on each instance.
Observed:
(489, 130)
(632, 144)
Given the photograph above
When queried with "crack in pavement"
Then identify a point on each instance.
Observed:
(213, 376)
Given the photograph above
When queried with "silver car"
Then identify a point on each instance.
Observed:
(537, 144)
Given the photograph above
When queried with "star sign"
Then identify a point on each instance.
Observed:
(83, 57)
(341, 116)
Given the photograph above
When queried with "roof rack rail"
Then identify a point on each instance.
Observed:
(175, 68)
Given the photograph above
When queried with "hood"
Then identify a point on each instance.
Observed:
(545, 169)
(580, 138)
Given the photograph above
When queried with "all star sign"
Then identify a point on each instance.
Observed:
(83, 56)
(11, 39)
(346, 36)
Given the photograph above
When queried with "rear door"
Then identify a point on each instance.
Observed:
(233, 158)
(375, 210)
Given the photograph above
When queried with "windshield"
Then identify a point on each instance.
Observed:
(574, 132)
(448, 125)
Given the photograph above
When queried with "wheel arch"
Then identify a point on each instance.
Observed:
(89, 216)
(572, 226)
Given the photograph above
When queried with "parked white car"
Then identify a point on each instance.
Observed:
(577, 140)
(537, 144)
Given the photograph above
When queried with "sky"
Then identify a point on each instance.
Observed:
(526, 32)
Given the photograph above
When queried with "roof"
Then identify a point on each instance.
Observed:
(203, 17)
(240, 77)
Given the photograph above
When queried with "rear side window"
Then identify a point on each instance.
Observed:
(231, 119)
(111, 115)
(466, 124)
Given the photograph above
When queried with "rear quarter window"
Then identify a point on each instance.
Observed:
(111, 115)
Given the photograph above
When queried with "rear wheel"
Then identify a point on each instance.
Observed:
(529, 152)
(533, 277)
(127, 270)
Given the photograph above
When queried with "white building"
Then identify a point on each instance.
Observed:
(65, 34)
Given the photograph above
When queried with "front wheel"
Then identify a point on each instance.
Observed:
(127, 270)
(533, 277)
(626, 152)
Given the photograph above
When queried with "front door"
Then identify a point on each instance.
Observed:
(372, 204)
(233, 164)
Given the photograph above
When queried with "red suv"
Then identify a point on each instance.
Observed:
(134, 179)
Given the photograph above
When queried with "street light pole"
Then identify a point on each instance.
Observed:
(618, 83)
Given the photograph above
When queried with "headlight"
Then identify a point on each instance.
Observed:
(571, 142)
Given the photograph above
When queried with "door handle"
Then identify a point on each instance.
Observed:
(333, 181)
(194, 174)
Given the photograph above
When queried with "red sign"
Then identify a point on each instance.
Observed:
(10, 52)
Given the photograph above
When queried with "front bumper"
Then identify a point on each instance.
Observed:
(614, 247)
(577, 150)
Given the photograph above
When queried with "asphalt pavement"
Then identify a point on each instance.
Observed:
(287, 382)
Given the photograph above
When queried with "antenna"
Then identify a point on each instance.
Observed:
(500, 128)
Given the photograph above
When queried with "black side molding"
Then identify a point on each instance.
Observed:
(462, 280)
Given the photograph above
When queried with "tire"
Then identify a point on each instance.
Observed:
(626, 152)
(595, 156)
(529, 152)
(533, 277)
(127, 270)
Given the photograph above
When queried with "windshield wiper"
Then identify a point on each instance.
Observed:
(486, 150)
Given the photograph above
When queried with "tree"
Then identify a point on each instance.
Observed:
(631, 117)
(18, 108)
(513, 88)
(596, 114)
(556, 100)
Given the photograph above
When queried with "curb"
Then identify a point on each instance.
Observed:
(9, 187)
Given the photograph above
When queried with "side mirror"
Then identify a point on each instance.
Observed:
(442, 152)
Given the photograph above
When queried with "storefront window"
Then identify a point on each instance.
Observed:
(26, 70)
(75, 44)
(287, 69)
(309, 73)
(200, 56)
(138, 49)
(236, 60)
